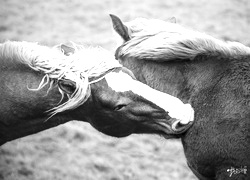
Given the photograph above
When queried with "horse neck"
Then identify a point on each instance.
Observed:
(181, 79)
(23, 111)
(162, 77)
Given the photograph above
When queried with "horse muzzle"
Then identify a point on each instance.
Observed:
(179, 128)
(173, 126)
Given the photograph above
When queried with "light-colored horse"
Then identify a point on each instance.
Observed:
(212, 75)
(43, 87)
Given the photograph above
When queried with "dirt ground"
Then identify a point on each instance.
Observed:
(76, 151)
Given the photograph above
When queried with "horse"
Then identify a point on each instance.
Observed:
(210, 74)
(42, 87)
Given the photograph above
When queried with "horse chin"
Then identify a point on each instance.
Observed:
(117, 135)
(170, 136)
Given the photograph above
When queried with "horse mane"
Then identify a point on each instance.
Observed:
(157, 40)
(85, 63)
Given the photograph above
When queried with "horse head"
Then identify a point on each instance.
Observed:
(119, 105)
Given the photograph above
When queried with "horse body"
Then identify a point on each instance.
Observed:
(43, 87)
(220, 97)
(219, 139)
(215, 82)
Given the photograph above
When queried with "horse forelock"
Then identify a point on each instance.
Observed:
(158, 40)
(85, 63)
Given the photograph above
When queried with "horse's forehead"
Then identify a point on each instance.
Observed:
(120, 81)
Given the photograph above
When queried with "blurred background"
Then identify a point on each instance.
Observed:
(76, 151)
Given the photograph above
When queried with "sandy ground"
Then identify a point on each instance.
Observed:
(75, 150)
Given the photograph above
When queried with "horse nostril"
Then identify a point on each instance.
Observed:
(119, 107)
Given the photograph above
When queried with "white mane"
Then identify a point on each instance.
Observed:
(86, 62)
(163, 41)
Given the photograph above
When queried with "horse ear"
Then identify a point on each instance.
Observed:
(172, 20)
(119, 27)
(67, 86)
(67, 50)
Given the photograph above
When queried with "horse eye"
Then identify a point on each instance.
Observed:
(119, 107)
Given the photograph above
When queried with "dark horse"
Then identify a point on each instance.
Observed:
(43, 87)
(210, 74)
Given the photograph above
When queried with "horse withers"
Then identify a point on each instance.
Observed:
(43, 87)
(211, 74)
